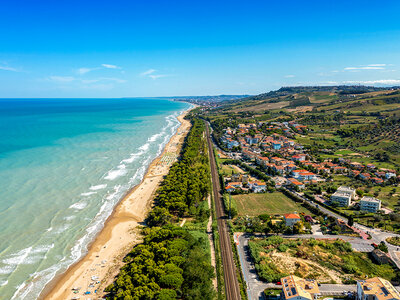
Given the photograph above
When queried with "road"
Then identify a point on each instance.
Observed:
(232, 290)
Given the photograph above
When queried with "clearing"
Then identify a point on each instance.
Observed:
(269, 203)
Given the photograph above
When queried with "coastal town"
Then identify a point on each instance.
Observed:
(264, 165)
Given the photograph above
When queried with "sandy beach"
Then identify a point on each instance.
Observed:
(98, 267)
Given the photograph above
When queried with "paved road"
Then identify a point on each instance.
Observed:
(232, 290)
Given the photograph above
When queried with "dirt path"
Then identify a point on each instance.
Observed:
(211, 240)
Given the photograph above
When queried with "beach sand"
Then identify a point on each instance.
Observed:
(97, 269)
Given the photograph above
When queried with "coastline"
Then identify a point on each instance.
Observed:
(104, 257)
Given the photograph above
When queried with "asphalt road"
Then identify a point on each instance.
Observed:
(232, 290)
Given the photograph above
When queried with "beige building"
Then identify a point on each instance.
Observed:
(370, 204)
(376, 289)
(294, 287)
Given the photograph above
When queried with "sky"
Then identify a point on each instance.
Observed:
(178, 48)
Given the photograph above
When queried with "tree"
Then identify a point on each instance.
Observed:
(382, 246)
(350, 220)
(298, 227)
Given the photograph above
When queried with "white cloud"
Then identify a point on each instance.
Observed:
(6, 68)
(107, 66)
(84, 70)
(117, 80)
(365, 68)
(62, 78)
(289, 76)
(373, 82)
(70, 79)
(377, 65)
(148, 72)
(157, 76)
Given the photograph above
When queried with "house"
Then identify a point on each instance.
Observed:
(377, 180)
(365, 176)
(294, 287)
(229, 189)
(306, 175)
(261, 160)
(276, 146)
(339, 169)
(299, 157)
(376, 289)
(236, 184)
(370, 204)
(354, 173)
(291, 219)
(294, 182)
(257, 186)
(389, 175)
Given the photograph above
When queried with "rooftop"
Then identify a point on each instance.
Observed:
(381, 288)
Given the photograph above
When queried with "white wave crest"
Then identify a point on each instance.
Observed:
(78, 205)
(97, 187)
(88, 193)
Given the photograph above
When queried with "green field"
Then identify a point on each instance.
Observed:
(269, 203)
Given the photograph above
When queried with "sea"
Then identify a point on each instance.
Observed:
(64, 165)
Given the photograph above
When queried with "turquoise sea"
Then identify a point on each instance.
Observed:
(64, 165)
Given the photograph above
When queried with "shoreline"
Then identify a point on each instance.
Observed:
(119, 233)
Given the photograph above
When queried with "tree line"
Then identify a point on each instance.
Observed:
(170, 262)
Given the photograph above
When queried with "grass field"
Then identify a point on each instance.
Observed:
(269, 203)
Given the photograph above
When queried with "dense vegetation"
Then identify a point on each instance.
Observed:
(187, 183)
(171, 262)
(314, 259)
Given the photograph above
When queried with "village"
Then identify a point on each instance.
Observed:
(265, 158)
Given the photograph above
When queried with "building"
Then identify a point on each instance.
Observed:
(349, 190)
(291, 219)
(376, 289)
(294, 287)
(294, 182)
(380, 257)
(344, 199)
(370, 204)
(257, 186)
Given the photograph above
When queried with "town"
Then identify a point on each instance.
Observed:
(275, 185)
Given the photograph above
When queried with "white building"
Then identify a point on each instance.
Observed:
(370, 204)
(348, 190)
(376, 289)
(343, 196)
(344, 199)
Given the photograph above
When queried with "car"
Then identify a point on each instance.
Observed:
(279, 283)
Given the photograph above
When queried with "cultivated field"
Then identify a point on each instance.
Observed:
(268, 203)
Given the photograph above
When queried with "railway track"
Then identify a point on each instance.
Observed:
(232, 290)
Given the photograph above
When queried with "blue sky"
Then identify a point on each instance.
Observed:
(165, 48)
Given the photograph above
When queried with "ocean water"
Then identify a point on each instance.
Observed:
(64, 165)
